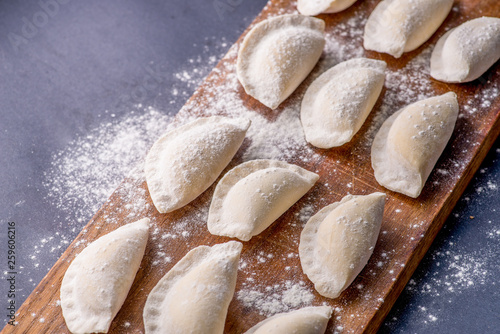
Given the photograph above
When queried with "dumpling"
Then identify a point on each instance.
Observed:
(409, 143)
(315, 7)
(98, 280)
(307, 320)
(337, 242)
(397, 26)
(251, 196)
(184, 162)
(277, 55)
(337, 103)
(464, 53)
(194, 296)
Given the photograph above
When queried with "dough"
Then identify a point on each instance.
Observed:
(337, 103)
(184, 162)
(98, 280)
(464, 53)
(337, 242)
(194, 296)
(277, 55)
(251, 196)
(307, 320)
(315, 7)
(409, 143)
(397, 26)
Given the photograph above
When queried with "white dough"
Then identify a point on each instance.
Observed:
(315, 7)
(251, 196)
(184, 162)
(194, 296)
(337, 103)
(398, 26)
(98, 280)
(337, 242)
(410, 142)
(307, 320)
(464, 53)
(277, 55)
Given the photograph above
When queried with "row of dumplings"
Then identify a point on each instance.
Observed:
(278, 53)
(194, 296)
(337, 242)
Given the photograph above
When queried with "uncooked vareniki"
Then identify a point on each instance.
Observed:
(337, 103)
(194, 296)
(251, 196)
(98, 280)
(337, 242)
(307, 320)
(184, 162)
(398, 26)
(277, 55)
(315, 7)
(464, 53)
(409, 143)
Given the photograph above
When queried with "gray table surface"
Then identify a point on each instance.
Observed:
(67, 67)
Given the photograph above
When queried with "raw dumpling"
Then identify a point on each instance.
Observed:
(184, 162)
(464, 53)
(337, 103)
(277, 55)
(251, 196)
(98, 280)
(307, 320)
(409, 143)
(194, 296)
(397, 26)
(315, 7)
(337, 242)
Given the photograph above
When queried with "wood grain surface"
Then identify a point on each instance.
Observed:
(270, 259)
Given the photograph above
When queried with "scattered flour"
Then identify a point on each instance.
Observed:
(277, 298)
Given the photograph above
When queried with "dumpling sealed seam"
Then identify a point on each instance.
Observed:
(277, 55)
(251, 196)
(464, 53)
(398, 26)
(194, 296)
(337, 242)
(98, 280)
(307, 320)
(338, 102)
(410, 142)
(315, 7)
(184, 162)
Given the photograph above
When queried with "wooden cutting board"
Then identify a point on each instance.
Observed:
(270, 265)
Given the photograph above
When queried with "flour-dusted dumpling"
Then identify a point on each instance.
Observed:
(409, 143)
(315, 7)
(464, 53)
(251, 196)
(397, 26)
(307, 320)
(184, 162)
(194, 296)
(337, 242)
(98, 280)
(277, 55)
(337, 103)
